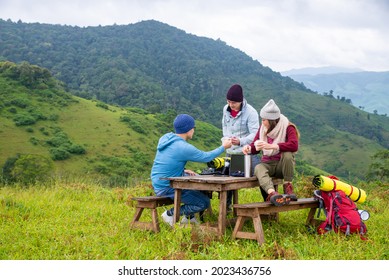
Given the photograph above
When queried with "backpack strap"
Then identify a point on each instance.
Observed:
(347, 229)
(318, 197)
(329, 213)
(334, 189)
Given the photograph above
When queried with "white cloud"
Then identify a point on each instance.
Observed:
(281, 34)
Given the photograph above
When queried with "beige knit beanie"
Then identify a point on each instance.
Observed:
(270, 111)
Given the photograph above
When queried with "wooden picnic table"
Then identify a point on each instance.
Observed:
(213, 183)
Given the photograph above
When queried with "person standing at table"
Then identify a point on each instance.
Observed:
(173, 152)
(278, 140)
(240, 123)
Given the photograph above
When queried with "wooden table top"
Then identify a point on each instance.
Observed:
(212, 179)
(212, 182)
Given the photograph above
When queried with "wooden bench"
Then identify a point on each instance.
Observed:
(255, 210)
(152, 203)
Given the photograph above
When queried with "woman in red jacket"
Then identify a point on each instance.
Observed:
(277, 138)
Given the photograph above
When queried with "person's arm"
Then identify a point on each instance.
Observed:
(250, 148)
(224, 124)
(188, 152)
(292, 143)
(252, 127)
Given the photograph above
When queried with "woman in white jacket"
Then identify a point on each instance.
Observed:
(240, 123)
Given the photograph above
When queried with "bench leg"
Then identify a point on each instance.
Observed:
(311, 215)
(153, 225)
(258, 229)
(154, 217)
(238, 226)
(138, 213)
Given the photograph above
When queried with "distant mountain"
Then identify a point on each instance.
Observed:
(320, 70)
(368, 91)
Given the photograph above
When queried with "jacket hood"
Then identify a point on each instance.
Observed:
(167, 139)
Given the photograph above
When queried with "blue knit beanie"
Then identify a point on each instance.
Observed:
(183, 123)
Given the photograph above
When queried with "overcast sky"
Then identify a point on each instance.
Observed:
(280, 34)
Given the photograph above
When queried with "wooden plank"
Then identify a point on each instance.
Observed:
(266, 204)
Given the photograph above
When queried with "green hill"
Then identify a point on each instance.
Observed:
(117, 144)
(157, 67)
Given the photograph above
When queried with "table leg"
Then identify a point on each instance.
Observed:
(236, 200)
(177, 204)
(222, 213)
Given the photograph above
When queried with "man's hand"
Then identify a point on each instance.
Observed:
(190, 172)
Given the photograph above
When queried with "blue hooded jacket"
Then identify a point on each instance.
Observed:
(173, 152)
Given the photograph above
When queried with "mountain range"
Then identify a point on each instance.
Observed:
(159, 71)
(365, 89)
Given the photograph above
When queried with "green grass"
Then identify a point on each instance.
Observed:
(83, 221)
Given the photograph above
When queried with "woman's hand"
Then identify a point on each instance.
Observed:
(262, 145)
(246, 149)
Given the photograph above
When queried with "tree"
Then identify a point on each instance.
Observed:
(30, 168)
(379, 169)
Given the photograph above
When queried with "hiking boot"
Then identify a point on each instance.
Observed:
(288, 189)
(278, 199)
(167, 219)
(185, 220)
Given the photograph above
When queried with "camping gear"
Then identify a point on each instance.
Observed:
(341, 213)
(237, 165)
(329, 183)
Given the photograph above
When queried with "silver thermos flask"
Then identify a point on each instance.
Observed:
(247, 166)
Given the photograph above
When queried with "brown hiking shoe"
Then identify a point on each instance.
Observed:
(288, 189)
(278, 199)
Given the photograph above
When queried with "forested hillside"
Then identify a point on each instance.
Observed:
(148, 64)
(157, 67)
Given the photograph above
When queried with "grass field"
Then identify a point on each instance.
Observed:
(85, 221)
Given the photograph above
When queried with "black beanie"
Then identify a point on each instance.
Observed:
(235, 93)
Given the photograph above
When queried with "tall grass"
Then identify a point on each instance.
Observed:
(84, 221)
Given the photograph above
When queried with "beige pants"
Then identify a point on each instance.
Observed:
(284, 168)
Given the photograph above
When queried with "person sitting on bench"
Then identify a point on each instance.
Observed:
(173, 152)
(277, 138)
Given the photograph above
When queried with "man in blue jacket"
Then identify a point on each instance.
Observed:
(173, 152)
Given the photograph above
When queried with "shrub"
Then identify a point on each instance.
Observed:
(20, 102)
(59, 153)
(34, 141)
(53, 117)
(8, 166)
(24, 119)
(28, 168)
(12, 110)
(60, 139)
(102, 105)
(76, 149)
